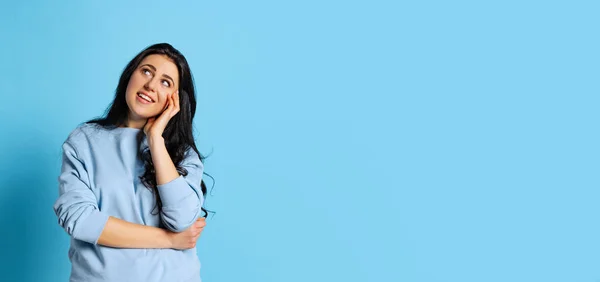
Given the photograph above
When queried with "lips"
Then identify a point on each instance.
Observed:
(145, 97)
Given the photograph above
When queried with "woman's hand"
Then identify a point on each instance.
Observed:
(155, 126)
(188, 238)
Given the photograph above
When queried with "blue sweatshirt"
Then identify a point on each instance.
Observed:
(100, 178)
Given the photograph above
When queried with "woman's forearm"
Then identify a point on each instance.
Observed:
(119, 233)
(163, 165)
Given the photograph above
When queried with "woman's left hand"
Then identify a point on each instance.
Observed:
(155, 126)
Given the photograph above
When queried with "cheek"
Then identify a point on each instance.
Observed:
(162, 99)
(132, 87)
(134, 82)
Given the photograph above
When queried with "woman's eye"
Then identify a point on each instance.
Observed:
(146, 72)
(166, 83)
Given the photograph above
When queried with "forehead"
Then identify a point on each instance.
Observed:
(162, 64)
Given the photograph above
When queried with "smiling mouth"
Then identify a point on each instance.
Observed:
(145, 97)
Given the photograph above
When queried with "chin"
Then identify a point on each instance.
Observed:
(142, 113)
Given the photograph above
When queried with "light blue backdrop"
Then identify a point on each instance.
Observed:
(349, 140)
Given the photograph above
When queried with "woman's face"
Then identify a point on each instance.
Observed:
(152, 81)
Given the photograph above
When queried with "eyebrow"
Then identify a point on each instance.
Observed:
(165, 75)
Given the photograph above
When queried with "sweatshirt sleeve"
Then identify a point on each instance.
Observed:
(77, 206)
(182, 197)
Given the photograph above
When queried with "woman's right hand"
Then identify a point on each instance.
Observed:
(188, 238)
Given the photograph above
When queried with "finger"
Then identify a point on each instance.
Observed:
(166, 105)
(166, 114)
(174, 101)
(171, 106)
(171, 101)
(177, 100)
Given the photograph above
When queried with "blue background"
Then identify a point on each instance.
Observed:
(349, 140)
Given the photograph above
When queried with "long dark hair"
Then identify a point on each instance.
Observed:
(178, 133)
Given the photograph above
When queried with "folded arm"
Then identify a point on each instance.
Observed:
(119, 233)
(181, 196)
(78, 213)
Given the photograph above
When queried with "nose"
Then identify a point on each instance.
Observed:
(151, 84)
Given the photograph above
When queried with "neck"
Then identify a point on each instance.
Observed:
(134, 123)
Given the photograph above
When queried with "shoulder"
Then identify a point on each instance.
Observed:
(81, 138)
(83, 132)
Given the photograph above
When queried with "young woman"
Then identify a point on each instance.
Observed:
(130, 188)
